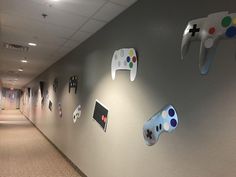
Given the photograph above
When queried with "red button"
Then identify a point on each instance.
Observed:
(212, 30)
(134, 59)
(104, 118)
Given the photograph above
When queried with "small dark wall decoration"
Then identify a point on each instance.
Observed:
(60, 110)
(41, 85)
(55, 84)
(50, 105)
(28, 89)
(100, 115)
(42, 102)
(73, 83)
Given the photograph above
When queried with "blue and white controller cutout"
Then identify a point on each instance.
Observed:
(165, 120)
(77, 113)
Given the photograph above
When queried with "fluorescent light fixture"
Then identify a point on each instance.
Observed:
(20, 69)
(24, 61)
(32, 44)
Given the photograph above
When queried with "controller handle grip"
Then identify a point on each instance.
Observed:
(207, 53)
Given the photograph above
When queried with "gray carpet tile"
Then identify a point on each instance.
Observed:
(24, 152)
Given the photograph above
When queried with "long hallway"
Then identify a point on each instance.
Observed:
(24, 152)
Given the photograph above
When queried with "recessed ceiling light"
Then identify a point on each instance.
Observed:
(24, 61)
(32, 44)
(20, 69)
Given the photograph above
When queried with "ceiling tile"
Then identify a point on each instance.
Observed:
(39, 28)
(124, 2)
(92, 26)
(109, 11)
(34, 11)
(81, 36)
(82, 7)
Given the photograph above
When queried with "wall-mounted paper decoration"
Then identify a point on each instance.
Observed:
(124, 59)
(50, 105)
(100, 115)
(165, 120)
(59, 109)
(73, 83)
(55, 84)
(28, 89)
(209, 31)
(77, 113)
(46, 95)
(41, 85)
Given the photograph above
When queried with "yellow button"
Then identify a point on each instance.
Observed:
(234, 21)
(131, 53)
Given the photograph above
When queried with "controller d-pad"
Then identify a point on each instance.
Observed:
(194, 30)
(149, 134)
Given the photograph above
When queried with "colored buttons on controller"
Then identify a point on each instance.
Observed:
(164, 114)
(166, 126)
(171, 112)
(226, 21)
(128, 59)
(231, 32)
(131, 53)
(131, 65)
(173, 122)
(212, 30)
(234, 21)
(134, 59)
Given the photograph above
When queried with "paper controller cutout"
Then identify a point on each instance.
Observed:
(209, 31)
(50, 105)
(77, 113)
(55, 84)
(59, 109)
(100, 115)
(164, 121)
(41, 85)
(124, 59)
(73, 83)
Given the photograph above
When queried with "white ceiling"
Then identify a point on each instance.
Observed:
(68, 24)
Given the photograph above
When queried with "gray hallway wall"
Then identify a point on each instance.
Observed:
(203, 144)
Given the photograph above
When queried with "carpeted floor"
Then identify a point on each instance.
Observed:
(24, 152)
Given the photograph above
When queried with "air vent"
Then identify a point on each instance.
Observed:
(17, 47)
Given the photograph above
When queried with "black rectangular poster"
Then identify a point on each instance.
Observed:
(100, 115)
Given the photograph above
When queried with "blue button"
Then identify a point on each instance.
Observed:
(231, 32)
(173, 122)
(128, 59)
(171, 112)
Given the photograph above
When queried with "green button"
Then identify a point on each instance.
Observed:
(226, 21)
(131, 65)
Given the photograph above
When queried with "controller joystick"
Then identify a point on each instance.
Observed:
(164, 121)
